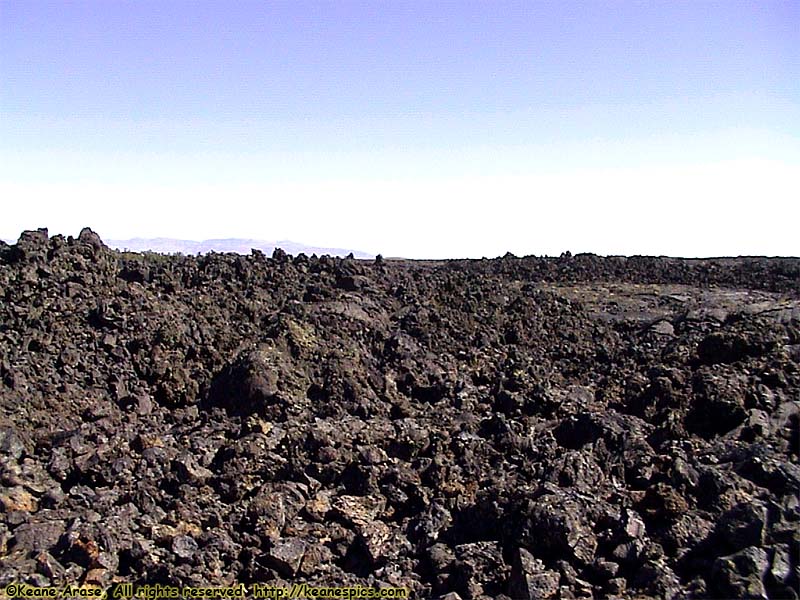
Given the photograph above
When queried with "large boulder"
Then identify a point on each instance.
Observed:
(259, 381)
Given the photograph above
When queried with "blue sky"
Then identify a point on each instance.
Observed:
(408, 128)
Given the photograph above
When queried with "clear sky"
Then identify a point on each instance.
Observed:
(415, 128)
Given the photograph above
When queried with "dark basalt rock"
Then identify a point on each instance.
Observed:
(728, 348)
(513, 428)
(741, 575)
(530, 580)
(250, 384)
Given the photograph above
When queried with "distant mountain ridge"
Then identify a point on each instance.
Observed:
(235, 245)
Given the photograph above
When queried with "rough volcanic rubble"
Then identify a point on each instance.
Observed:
(469, 428)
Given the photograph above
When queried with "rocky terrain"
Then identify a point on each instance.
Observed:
(234, 245)
(568, 427)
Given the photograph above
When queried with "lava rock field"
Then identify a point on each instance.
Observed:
(568, 427)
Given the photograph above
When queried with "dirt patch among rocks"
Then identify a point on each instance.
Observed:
(525, 428)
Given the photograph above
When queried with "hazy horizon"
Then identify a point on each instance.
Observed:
(166, 245)
(424, 130)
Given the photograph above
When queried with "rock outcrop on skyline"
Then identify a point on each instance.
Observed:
(236, 245)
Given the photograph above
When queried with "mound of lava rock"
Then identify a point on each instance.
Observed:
(449, 427)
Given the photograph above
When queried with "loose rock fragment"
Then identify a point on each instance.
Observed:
(17, 498)
(530, 579)
(286, 555)
(184, 546)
